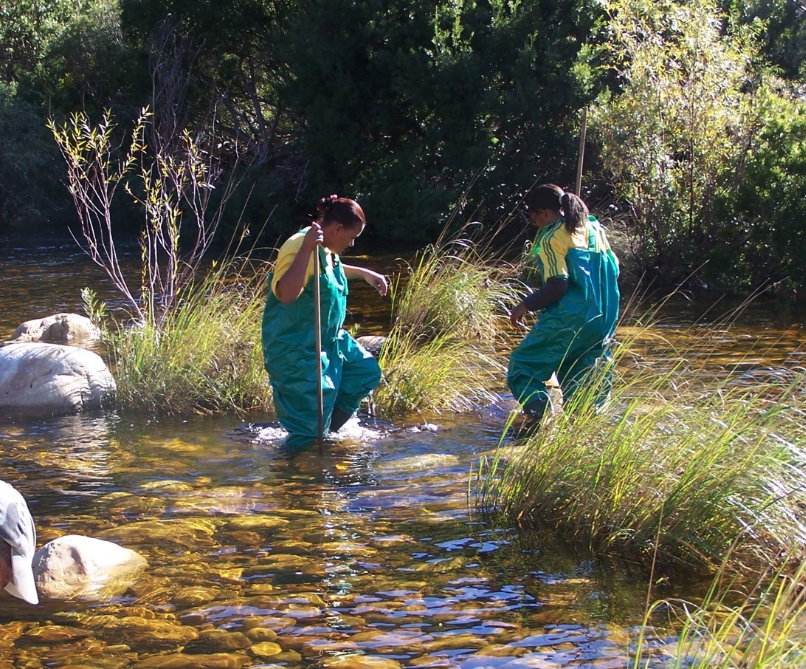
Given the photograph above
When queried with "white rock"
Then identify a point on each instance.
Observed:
(52, 380)
(78, 566)
(57, 329)
(373, 343)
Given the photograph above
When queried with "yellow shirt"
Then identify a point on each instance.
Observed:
(554, 244)
(288, 251)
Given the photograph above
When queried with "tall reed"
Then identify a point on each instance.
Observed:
(453, 289)
(449, 312)
(680, 464)
(764, 629)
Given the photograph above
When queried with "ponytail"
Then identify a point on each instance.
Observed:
(553, 198)
(574, 210)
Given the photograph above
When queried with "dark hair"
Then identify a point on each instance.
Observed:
(335, 209)
(554, 198)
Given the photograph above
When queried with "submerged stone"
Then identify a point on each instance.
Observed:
(167, 486)
(265, 649)
(260, 634)
(218, 641)
(359, 662)
(95, 662)
(267, 623)
(293, 547)
(501, 650)
(255, 522)
(182, 661)
(420, 463)
(55, 634)
(185, 533)
(455, 642)
(195, 596)
(77, 566)
(314, 647)
(149, 635)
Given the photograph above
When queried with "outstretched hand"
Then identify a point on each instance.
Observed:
(377, 281)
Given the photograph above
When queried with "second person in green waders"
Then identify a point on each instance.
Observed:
(578, 304)
(349, 372)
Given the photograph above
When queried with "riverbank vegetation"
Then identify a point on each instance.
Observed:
(760, 629)
(692, 459)
(203, 358)
(450, 112)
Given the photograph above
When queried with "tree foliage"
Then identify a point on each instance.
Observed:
(429, 112)
(674, 134)
(701, 141)
(26, 29)
(784, 36)
(437, 108)
(764, 232)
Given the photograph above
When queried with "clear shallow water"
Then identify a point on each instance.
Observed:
(367, 556)
(369, 551)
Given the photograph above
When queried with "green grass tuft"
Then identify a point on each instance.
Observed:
(205, 357)
(443, 352)
(681, 466)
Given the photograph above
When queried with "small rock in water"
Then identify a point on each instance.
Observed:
(425, 427)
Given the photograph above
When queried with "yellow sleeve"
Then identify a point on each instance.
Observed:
(285, 257)
(553, 252)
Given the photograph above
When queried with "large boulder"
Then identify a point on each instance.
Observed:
(52, 380)
(57, 329)
(75, 566)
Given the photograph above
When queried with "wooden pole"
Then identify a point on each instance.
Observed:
(581, 151)
(317, 319)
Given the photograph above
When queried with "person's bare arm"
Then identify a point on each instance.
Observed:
(374, 279)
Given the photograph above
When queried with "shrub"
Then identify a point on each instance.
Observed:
(206, 356)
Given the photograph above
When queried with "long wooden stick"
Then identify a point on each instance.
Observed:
(581, 157)
(317, 319)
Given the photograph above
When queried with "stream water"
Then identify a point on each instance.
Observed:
(369, 556)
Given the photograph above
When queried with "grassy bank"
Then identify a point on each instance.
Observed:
(682, 467)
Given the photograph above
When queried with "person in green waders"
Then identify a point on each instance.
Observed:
(578, 303)
(349, 372)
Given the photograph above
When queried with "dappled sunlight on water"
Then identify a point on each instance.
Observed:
(259, 557)
(367, 556)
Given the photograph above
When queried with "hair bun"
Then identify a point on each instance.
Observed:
(326, 203)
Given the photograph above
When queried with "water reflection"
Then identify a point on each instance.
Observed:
(367, 556)
(368, 552)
